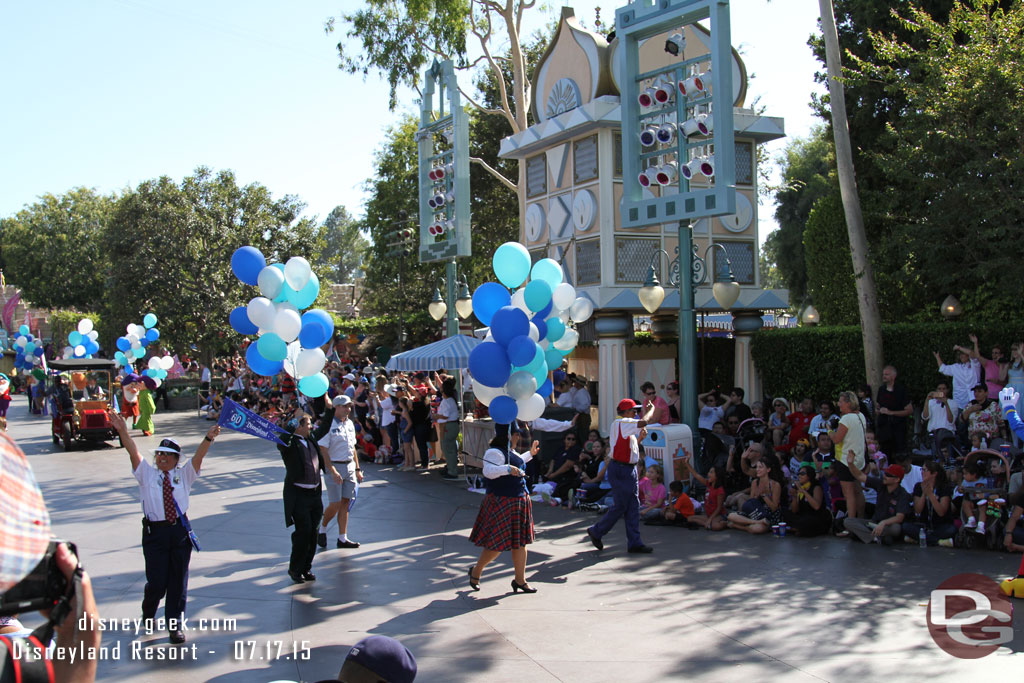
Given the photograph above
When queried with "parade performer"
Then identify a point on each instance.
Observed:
(625, 434)
(339, 446)
(130, 392)
(147, 406)
(166, 544)
(1008, 398)
(303, 505)
(505, 520)
(5, 394)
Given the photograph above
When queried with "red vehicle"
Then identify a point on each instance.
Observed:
(81, 400)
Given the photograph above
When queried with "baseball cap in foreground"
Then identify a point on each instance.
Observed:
(341, 400)
(626, 404)
(377, 658)
(24, 522)
(895, 471)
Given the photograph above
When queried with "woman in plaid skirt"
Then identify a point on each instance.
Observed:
(505, 521)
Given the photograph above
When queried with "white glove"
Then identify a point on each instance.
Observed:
(1008, 398)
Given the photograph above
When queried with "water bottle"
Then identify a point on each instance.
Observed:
(572, 498)
(922, 538)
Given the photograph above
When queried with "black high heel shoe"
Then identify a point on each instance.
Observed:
(474, 581)
(516, 587)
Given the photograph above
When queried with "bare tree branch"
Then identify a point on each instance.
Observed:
(501, 179)
(479, 106)
(495, 68)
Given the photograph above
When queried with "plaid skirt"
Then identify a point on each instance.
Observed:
(503, 523)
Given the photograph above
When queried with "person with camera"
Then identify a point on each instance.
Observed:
(166, 533)
(851, 446)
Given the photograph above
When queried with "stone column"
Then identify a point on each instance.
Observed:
(744, 324)
(613, 328)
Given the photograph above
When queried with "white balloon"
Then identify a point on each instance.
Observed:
(261, 312)
(534, 332)
(294, 349)
(270, 281)
(21, 341)
(84, 326)
(488, 337)
(94, 335)
(137, 345)
(129, 328)
(158, 381)
(544, 343)
(563, 296)
(521, 384)
(154, 363)
(310, 362)
(487, 394)
(568, 340)
(139, 331)
(79, 350)
(564, 317)
(530, 408)
(286, 306)
(581, 310)
(68, 352)
(132, 339)
(297, 272)
(166, 362)
(287, 324)
(519, 301)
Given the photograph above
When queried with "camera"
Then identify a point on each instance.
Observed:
(41, 589)
(833, 422)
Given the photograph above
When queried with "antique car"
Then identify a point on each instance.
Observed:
(80, 400)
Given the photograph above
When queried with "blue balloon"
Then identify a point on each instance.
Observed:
(487, 299)
(521, 350)
(503, 409)
(317, 328)
(546, 389)
(305, 298)
(556, 329)
(314, 385)
(91, 347)
(511, 263)
(239, 320)
(152, 334)
(543, 313)
(74, 338)
(542, 327)
(272, 347)
(489, 365)
(149, 320)
(23, 330)
(144, 342)
(508, 323)
(259, 364)
(123, 344)
(537, 295)
(246, 264)
(39, 351)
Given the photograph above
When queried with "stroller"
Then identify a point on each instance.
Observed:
(990, 498)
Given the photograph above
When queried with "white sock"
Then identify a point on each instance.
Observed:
(323, 529)
(343, 538)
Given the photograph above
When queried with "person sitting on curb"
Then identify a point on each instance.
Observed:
(891, 508)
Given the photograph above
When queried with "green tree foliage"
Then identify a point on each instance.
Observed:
(829, 267)
(51, 249)
(343, 245)
(956, 149)
(169, 247)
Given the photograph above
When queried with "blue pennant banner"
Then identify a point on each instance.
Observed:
(234, 416)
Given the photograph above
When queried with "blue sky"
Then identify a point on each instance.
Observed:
(108, 93)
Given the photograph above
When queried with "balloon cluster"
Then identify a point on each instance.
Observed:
(132, 346)
(288, 340)
(29, 350)
(529, 333)
(82, 341)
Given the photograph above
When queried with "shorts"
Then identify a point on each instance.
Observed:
(347, 488)
(842, 471)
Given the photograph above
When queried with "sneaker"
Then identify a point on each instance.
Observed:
(981, 527)
(908, 539)
(347, 544)
(946, 542)
(971, 523)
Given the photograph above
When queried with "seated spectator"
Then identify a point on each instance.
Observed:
(596, 486)
(763, 509)
(778, 423)
(893, 506)
(756, 411)
(824, 419)
(652, 493)
(800, 421)
(673, 400)
(799, 455)
(739, 474)
(867, 404)
(940, 414)
(735, 407)
(983, 417)
(824, 453)
(561, 468)
(661, 413)
(874, 454)
(972, 504)
(1013, 536)
(808, 513)
(592, 437)
(933, 508)
(713, 516)
(710, 411)
(678, 508)
(732, 425)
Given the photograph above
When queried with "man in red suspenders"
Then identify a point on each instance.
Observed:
(625, 435)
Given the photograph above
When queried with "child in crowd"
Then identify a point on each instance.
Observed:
(713, 516)
(973, 506)
(878, 457)
(593, 437)
(652, 493)
(682, 508)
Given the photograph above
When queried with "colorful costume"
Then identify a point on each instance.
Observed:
(5, 394)
(130, 404)
(146, 409)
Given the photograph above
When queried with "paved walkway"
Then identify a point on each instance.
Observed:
(704, 606)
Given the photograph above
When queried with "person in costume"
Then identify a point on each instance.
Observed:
(5, 394)
(130, 393)
(147, 406)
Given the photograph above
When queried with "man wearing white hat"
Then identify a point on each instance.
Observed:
(339, 446)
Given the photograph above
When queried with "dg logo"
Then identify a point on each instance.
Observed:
(969, 616)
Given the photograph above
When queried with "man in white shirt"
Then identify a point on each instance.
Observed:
(940, 412)
(581, 404)
(966, 373)
(565, 395)
(388, 425)
(339, 446)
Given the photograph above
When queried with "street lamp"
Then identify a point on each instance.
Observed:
(463, 305)
(951, 308)
(809, 316)
(437, 307)
(784, 319)
(725, 293)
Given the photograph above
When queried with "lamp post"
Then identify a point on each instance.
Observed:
(437, 308)
(652, 294)
(951, 308)
(809, 316)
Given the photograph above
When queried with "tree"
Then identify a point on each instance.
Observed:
(829, 269)
(52, 250)
(343, 245)
(170, 247)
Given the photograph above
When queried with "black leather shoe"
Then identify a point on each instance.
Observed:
(177, 637)
(525, 587)
(598, 543)
(296, 577)
(347, 544)
(452, 477)
(641, 549)
(321, 540)
(309, 576)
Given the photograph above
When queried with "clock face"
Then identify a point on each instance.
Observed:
(534, 222)
(584, 209)
(739, 221)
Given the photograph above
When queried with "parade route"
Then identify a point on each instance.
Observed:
(704, 607)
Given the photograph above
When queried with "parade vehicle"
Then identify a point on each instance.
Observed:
(81, 399)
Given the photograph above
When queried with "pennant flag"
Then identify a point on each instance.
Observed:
(240, 419)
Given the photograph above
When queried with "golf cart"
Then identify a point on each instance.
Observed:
(81, 399)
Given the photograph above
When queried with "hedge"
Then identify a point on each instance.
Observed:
(822, 361)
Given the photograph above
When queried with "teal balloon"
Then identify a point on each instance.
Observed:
(74, 338)
(511, 262)
(314, 385)
(538, 361)
(23, 330)
(149, 320)
(541, 373)
(272, 347)
(30, 348)
(537, 295)
(553, 358)
(556, 328)
(305, 297)
(547, 270)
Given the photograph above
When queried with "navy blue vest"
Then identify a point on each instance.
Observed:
(508, 486)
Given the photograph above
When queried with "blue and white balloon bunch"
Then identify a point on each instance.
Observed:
(529, 333)
(288, 339)
(83, 341)
(28, 350)
(131, 347)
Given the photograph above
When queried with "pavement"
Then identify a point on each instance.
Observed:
(703, 607)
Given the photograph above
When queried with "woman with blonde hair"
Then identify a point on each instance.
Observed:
(850, 445)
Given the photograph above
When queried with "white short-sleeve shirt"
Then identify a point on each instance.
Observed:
(448, 411)
(340, 442)
(151, 489)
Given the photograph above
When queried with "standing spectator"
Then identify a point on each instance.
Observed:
(892, 410)
(565, 393)
(734, 405)
(674, 410)
(800, 421)
(661, 414)
(851, 447)
(994, 367)
(448, 421)
(940, 414)
(581, 404)
(965, 373)
(388, 423)
(419, 414)
(867, 404)
(710, 411)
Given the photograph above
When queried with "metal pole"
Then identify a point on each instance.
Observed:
(688, 390)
